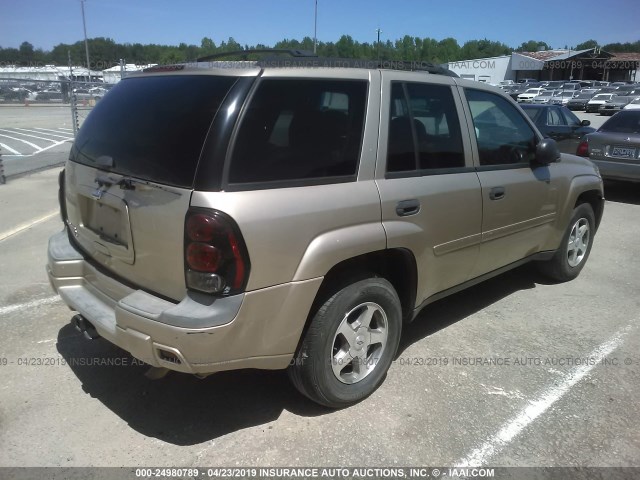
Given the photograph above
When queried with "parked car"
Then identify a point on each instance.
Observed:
(634, 105)
(594, 104)
(559, 123)
(614, 105)
(571, 86)
(579, 102)
(615, 147)
(553, 84)
(563, 97)
(545, 96)
(48, 96)
(303, 227)
(528, 95)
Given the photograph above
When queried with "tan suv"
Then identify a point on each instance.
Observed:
(294, 214)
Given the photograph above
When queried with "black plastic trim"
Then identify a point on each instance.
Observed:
(540, 256)
(210, 167)
(510, 166)
(426, 172)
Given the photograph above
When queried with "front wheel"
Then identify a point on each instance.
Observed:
(576, 245)
(350, 344)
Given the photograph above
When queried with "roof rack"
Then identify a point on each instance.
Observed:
(303, 58)
(245, 53)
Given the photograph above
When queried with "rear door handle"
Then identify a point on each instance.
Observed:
(497, 193)
(408, 207)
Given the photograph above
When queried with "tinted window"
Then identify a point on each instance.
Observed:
(623, 122)
(554, 118)
(424, 130)
(503, 135)
(300, 129)
(533, 113)
(152, 127)
(571, 119)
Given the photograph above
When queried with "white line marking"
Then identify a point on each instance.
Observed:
(56, 130)
(43, 133)
(516, 425)
(24, 226)
(7, 147)
(26, 134)
(41, 149)
(23, 141)
(67, 129)
(27, 305)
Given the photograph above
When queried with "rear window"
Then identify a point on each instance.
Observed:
(300, 130)
(623, 122)
(152, 128)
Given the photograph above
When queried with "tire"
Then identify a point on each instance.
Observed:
(572, 255)
(330, 366)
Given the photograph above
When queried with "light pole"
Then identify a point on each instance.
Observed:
(86, 42)
(315, 29)
(378, 32)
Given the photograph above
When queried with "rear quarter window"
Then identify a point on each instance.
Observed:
(300, 130)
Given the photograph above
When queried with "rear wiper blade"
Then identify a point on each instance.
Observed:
(129, 183)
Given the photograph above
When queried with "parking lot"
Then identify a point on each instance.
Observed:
(513, 372)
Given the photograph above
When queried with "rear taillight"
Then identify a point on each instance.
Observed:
(215, 256)
(583, 149)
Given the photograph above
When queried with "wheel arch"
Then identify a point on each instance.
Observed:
(396, 265)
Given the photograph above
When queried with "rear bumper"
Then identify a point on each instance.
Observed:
(258, 329)
(618, 170)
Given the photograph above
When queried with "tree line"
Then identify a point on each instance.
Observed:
(105, 52)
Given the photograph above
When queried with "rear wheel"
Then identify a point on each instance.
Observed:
(576, 244)
(350, 344)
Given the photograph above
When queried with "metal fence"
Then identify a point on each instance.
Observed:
(79, 97)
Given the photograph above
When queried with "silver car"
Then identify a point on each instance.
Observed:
(615, 146)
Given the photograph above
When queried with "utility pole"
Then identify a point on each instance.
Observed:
(379, 32)
(315, 29)
(86, 42)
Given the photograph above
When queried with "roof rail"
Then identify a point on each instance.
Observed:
(327, 62)
(291, 53)
(303, 58)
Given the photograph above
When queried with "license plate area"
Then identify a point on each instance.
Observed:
(105, 221)
(104, 228)
(623, 152)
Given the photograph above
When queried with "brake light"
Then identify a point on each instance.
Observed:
(216, 258)
(583, 149)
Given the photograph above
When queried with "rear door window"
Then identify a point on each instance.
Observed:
(152, 127)
(299, 131)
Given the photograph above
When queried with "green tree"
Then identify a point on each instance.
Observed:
(533, 46)
(586, 45)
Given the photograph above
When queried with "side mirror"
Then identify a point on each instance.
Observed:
(547, 151)
(585, 123)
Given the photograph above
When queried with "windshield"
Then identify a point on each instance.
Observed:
(602, 96)
(152, 127)
(626, 121)
(584, 96)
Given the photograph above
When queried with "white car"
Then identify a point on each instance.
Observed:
(530, 94)
(634, 105)
(597, 101)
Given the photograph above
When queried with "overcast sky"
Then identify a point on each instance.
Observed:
(46, 23)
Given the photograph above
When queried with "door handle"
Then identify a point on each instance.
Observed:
(497, 193)
(408, 207)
